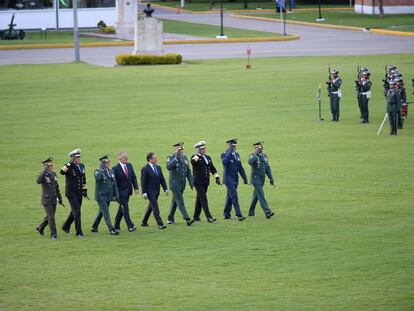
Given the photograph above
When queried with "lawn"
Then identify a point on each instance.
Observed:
(236, 5)
(211, 31)
(400, 22)
(34, 37)
(176, 27)
(342, 238)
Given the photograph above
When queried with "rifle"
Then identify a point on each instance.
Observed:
(358, 82)
(328, 84)
(319, 98)
(385, 84)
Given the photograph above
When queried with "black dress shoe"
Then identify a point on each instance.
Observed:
(40, 231)
(144, 224)
(162, 227)
(65, 230)
(189, 222)
(94, 230)
(227, 217)
(171, 222)
(197, 219)
(251, 215)
(269, 215)
(129, 229)
(80, 235)
(54, 237)
(210, 220)
(114, 232)
(241, 218)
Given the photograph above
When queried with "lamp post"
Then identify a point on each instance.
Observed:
(320, 19)
(221, 36)
(76, 30)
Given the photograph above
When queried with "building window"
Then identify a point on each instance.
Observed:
(25, 4)
(64, 4)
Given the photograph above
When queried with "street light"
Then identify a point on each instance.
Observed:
(221, 36)
(320, 19)
(76, 30)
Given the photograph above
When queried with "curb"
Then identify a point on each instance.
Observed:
(267, 19)
(131, 43)
(246, 11)
(391, 32)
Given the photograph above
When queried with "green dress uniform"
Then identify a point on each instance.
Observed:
(49, 198)
(260, 168)
(393, 99)
(179, 172)
(105, 190)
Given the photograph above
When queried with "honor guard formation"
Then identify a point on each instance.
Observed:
(394, 92)
(118, 183)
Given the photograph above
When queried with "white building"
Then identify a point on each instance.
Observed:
(56, 14)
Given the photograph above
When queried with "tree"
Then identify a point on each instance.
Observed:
(381, 7)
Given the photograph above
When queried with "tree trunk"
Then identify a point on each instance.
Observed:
(381, 7)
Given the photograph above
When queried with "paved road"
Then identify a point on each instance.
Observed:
(314, 41)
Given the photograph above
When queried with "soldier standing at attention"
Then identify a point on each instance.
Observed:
(402, 105)
(365, 95)
(202, 167)
(106, 191)
(260, 168)
(179, 170)
(335, 94)
(50, 196)
(75, 174)
(393, 98)
(232, 168)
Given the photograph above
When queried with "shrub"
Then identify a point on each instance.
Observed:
(107, 29)
(143, 59)
(101, 24)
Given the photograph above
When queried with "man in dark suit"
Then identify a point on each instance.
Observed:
(126, 180)
(75, 190)
(151, 180)
(202, 167)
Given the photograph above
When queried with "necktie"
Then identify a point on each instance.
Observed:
(155, 170)
(126, 170)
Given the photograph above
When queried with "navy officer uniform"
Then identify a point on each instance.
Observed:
(75, 190)
(202, 167)
(232, 168)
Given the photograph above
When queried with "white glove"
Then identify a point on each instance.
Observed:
(145, 196)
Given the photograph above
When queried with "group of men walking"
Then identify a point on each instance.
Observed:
(119, 182)
(394, 92)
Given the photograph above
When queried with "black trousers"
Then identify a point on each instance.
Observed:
(364, 107)
(392, 114)
(123, 211)
(201, 202)
(74, 215)
(153, 208)
(49, 219)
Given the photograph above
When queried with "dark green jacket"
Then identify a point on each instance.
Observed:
(179, 171)
(393, 100)
(105, 187)
(50, 187)
(260, 168)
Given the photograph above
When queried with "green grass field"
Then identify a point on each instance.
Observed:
(211, 31)
(204, 5)
(342, 238)
(176, 27)
(34, 37)
(400, 22)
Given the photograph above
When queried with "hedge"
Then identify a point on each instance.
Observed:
(142, 59)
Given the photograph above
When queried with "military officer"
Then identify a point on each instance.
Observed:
(202, 167)
(393, 98)
(402, 105)
(106, 191)
(75, 190)
(365, 95)
(50, 196)
(179, 170)
(335, 93)
(232, 168)
(260, 168)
